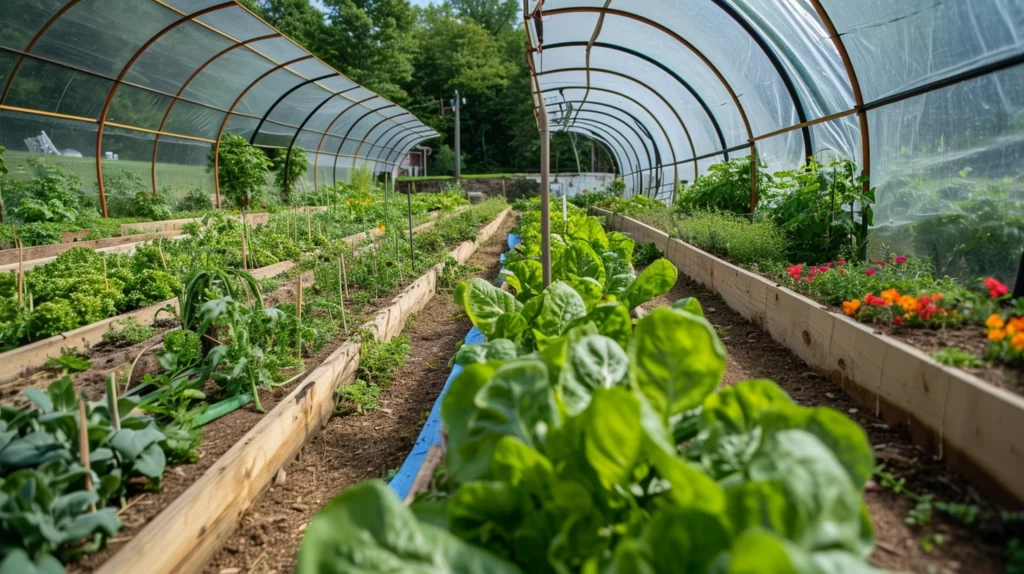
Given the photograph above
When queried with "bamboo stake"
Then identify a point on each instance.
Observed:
(160, 249)
(20, 282)
(341, 292)
(374, 259)
(245, 259)
(344, 275)
(83, 446)
(309, 229)
(115, 416)
(298, 313)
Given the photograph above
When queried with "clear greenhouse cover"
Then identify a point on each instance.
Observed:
(150, 85)
(926, 97)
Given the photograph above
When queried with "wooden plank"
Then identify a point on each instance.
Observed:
(196, 524)
(10, 256)
(979, 428)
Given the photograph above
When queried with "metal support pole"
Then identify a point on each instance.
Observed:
(458, 137)
(545, 192)
(412, 256)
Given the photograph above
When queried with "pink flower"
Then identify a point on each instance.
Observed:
(841, 262)
(870, 271)
(901, 259)
(898, 320)
(795, 271)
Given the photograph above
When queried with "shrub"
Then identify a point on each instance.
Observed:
(733, 237)
(195, 200)
(51, 318)
(725, 187)
(150, 206)
(645, 253)
(121, 187)
(285, 176)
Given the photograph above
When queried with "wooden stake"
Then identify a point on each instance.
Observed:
(20, 280)
(309, 229)
(160, 249)
(245, 259)
(341, 292)
(344, 275)
(298, 313)
(374, 259)
(83, 446)
(115, 416)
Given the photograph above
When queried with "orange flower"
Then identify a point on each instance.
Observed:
(994, 321)
(850, 307)
(349, 201)
(937, 296)
(891, 295)
(368, 202)
(1017, 342)
(908, 303)
(996, 335)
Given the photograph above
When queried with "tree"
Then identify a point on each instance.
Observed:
(496, 16)
(285, 176)
(242, 172)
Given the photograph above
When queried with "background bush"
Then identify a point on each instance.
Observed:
(733, 237)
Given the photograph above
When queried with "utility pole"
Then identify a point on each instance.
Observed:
(458, 137)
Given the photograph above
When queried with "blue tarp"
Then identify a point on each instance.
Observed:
(431, 433)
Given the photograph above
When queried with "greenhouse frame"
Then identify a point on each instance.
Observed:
(904, 89)
(156, 95)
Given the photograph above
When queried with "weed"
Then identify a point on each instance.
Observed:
(932, 541)
(955, 357)
(363, 395)
(389, 474)
(379, 361)
(132, 333)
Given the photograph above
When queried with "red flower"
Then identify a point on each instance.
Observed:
(842, 271)
(870, 271)
(841, 262)
(898, 320)
(995, 287)
(925, 300)
(870, 299)
(927, 311)
(901, 259)
(795, 271)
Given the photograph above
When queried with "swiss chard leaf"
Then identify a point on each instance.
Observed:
(496, 350)
(621, 245)
(526, 276)
(517, 400)
(690, 305)
(594, 362)
(657, 279)
(485, 303)
(554, 309)
(367, 529)
(677, 360)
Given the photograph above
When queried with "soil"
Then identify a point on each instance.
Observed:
(218, 436)
(354, 448)
(752, 354)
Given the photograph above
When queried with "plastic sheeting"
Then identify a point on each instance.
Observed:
(149, 86)
(925, 96)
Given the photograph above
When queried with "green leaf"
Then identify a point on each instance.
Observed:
(468, 456)
(152, 462)
(740, 406)
(62, 394)
(367, 529)
(104, 521)
(579, 260)
(19, 562)
(588, 289)
(131, 443)
(612, 320)
(594, 362)
(496, 350)
(527, 278)
(844, 437)
(622, 246)
(687, 539)
(511, 326)
(590, 230)
(554, 309)
(690, 305)
(40, 399)
(677, 360)
(657, 279)
(517, 400)
(485, 303)
(612, 436)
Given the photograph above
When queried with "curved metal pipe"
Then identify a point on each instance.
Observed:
(288, 92)
(696, 95)
(288, 154)
(316, 158)
(609, 129)
(349, 132)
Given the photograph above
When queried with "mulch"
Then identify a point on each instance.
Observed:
(753, 354)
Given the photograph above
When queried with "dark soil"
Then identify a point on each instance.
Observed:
(218, 436)
(354, 448)
(752, 354)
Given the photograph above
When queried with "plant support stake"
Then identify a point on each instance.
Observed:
(83, 446)
(115, 416)
(341, 292)
(412, 257)
(298, 314)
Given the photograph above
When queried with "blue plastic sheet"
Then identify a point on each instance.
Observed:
(430, 435)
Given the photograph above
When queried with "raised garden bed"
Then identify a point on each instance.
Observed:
(183, 535)
(977, 428)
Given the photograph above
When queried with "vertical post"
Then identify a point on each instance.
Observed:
(753, 177)
(387, 224)
(83, 445)
(412, 256)
(545, 192)
(458, 137)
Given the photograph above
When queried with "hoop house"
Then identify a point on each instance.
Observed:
(150, 86)
(925, 97)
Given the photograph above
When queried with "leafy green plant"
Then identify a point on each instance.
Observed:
(379, 361)
(646, 253)
(725, 187)
(955, 357)
(363, 396)
(131, 333)
(289, 169)
(196, 199)
(734, 238)
(151, 205)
